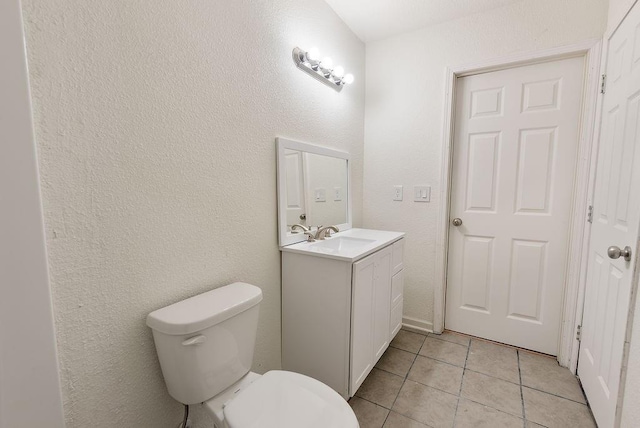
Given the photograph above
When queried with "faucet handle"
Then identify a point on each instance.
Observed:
(310, 236)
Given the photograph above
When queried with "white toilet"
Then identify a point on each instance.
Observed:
(205, 346)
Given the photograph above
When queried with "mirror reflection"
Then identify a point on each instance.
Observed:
(316, 190)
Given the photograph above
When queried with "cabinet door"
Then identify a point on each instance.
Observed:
(397, 285)
(361, 322)
(398, 256)
(381, 302)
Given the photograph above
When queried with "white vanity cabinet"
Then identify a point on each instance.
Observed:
(340, 314)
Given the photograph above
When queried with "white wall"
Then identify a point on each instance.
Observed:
(617, 10)
(155, 123)
(404, 114)
(29, 383)
(324, 172)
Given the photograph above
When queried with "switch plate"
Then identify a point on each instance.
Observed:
(397, 193)
(320, 195)
(422, 193)
(337, 193)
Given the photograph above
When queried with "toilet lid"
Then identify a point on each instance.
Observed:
(281, 399)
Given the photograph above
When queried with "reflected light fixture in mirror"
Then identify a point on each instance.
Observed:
(322, 70)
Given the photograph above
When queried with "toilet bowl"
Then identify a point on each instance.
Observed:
(205, 346)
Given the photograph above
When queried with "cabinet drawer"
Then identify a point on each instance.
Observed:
(397, 286)
(398, 256)
(396, 319)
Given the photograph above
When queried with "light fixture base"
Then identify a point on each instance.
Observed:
(299, 57)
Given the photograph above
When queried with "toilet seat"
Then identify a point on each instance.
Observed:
(281, 399)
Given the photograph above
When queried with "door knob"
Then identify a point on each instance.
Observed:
(303, 216)
(457, 222)
(615, 252)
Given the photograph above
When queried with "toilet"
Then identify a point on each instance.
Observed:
(205, 346)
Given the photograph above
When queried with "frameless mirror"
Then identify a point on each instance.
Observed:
(313, 189)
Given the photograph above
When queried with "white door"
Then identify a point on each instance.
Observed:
(296, 203)
(514, 161)
(615, 223)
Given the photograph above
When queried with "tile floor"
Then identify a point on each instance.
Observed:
(452, 380)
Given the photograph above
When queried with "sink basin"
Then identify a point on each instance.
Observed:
(341, 244)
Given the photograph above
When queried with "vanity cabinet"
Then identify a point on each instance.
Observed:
(339, 316)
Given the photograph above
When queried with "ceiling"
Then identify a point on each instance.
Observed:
(377, 19)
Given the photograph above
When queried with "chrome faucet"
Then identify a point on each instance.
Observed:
(301, 227)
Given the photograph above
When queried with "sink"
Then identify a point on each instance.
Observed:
(341, 244)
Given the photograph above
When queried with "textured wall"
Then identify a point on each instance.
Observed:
(617, 10)
(155, 123)
(404, 113)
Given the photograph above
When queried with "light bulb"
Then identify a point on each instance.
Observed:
(313, 55)
(326, 63)
(348, 79)
(338, 72)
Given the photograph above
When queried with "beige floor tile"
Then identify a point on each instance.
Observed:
(474, 415)
(408, 341)
(380, 387)
(436, 374)
(442, 350)
(396, 420)
(427, 405)
(544, 373)
(529, 424)
(396, 361)
(552, 411)
(451, 336)
(369, 415)
(492, 392)
(493, 360)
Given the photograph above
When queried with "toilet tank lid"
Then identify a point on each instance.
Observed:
(204, 310)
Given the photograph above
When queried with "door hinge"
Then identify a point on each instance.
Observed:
(590, 214)
(579, 333)
(603, 83)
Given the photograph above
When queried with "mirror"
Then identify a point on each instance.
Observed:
(313, 188)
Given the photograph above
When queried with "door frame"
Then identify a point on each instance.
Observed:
(579, 227)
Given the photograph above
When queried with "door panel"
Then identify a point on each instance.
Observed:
(296, 202)
(382, 302)
(616, 220)
(514, 161)
(361, 321)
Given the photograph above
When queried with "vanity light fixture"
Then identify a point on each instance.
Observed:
(321, 69)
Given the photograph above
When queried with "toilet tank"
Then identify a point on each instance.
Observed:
(205, 343)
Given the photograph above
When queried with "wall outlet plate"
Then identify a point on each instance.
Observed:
(320, 195)
(422, 193)
(337, 193)
(397, 193)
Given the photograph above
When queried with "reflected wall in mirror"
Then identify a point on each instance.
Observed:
(313, 188)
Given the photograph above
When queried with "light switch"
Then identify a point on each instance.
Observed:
(397, 193)
(337, 193)
(422, 193)
(321, 195)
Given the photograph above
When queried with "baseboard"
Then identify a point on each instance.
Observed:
(417, 325)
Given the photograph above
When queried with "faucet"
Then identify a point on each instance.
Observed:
(323, 232)
(300, 226)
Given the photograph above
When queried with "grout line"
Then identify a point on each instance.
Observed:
(555, 395)
(466, 358)
(524, 416)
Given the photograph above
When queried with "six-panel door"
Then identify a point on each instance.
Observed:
(616, 216)
(515, 153)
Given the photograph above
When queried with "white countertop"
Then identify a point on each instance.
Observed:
(350, 245)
